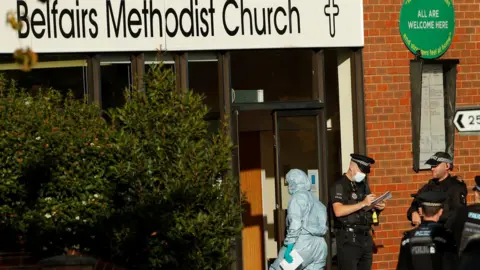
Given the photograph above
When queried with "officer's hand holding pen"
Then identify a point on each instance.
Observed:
(368, 200)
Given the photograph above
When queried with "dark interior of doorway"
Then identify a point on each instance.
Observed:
(257, 123)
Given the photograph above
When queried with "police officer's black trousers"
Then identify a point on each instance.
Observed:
(354, 250)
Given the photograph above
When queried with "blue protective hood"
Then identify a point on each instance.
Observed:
(298, 181)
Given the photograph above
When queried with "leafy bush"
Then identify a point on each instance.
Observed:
(150, 189)
(169, 189)
(54, 187)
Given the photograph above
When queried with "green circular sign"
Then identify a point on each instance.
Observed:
(427, 26)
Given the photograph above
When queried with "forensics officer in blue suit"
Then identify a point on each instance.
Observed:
(306, 225)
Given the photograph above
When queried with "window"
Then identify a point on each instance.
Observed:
(61, 72)
(203, 78)
(271, 75)
(116, 78)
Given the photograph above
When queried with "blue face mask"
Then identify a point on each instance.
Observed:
(359, 177)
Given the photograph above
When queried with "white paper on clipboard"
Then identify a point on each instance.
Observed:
(386, 196)
(297, 261)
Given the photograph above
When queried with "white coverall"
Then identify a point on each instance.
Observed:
(306, 224)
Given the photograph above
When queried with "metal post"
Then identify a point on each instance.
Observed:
(94, 80)
(181, 71)
(138, 70)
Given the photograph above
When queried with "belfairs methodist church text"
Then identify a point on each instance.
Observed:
(155, 19)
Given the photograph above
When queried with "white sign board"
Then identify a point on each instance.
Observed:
(313, 177)
(467, 120)
(173, 25)
(432, 124)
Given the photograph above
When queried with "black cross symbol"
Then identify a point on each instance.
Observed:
(331, 10)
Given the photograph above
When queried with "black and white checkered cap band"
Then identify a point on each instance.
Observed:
(431, 204)
(441, 159)
(361, 162)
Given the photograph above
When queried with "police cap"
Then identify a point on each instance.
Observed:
(439, 157)
(363, 162)
(477, 183)
(432, 198)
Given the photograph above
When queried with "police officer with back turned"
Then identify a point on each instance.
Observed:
(469, 259)
(467, 220)
(349, 196)
(441, 164)
(429, 246)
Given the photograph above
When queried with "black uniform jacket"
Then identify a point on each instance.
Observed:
(440, 254)
(348, 192)
(461, 216)
(456, 198)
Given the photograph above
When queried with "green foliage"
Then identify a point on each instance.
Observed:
(54, 187)
(170, 169)
(150, 189)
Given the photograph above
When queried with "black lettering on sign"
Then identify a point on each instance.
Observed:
(171, 12)
(204, 29)
(230, 31)
(291, 11)
(191, 21)
(93, 32)
(261, 21)
(22, 17)
(69, 23)
(188, 13)
(69, 14)
(152, 12)
(38, 19)
(474, 120)
(53, 20)
(134, 19)
(120, 20)
(281, 31)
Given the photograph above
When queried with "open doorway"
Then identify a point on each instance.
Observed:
(272, 94)
(278, 140)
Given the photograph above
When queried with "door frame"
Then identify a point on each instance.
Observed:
(278, 105)
(277, 148)
(286, 108)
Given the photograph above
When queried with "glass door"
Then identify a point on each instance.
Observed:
(297, 144)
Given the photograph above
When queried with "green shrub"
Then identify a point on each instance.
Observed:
(169, 191)
(55, 188)
(149, 189)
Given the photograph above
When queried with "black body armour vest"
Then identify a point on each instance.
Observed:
(423, 249)
(359, 218)
(472, 227)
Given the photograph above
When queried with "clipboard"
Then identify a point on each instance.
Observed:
(386, 196)
(297, 261)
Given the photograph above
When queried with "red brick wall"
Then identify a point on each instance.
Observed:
(387, 94)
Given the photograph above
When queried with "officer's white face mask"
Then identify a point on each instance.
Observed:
(358, 177)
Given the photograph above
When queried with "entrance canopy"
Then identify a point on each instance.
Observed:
(182, 25)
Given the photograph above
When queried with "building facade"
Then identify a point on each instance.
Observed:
(287, 73)
(389, 118)
(305, 84)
